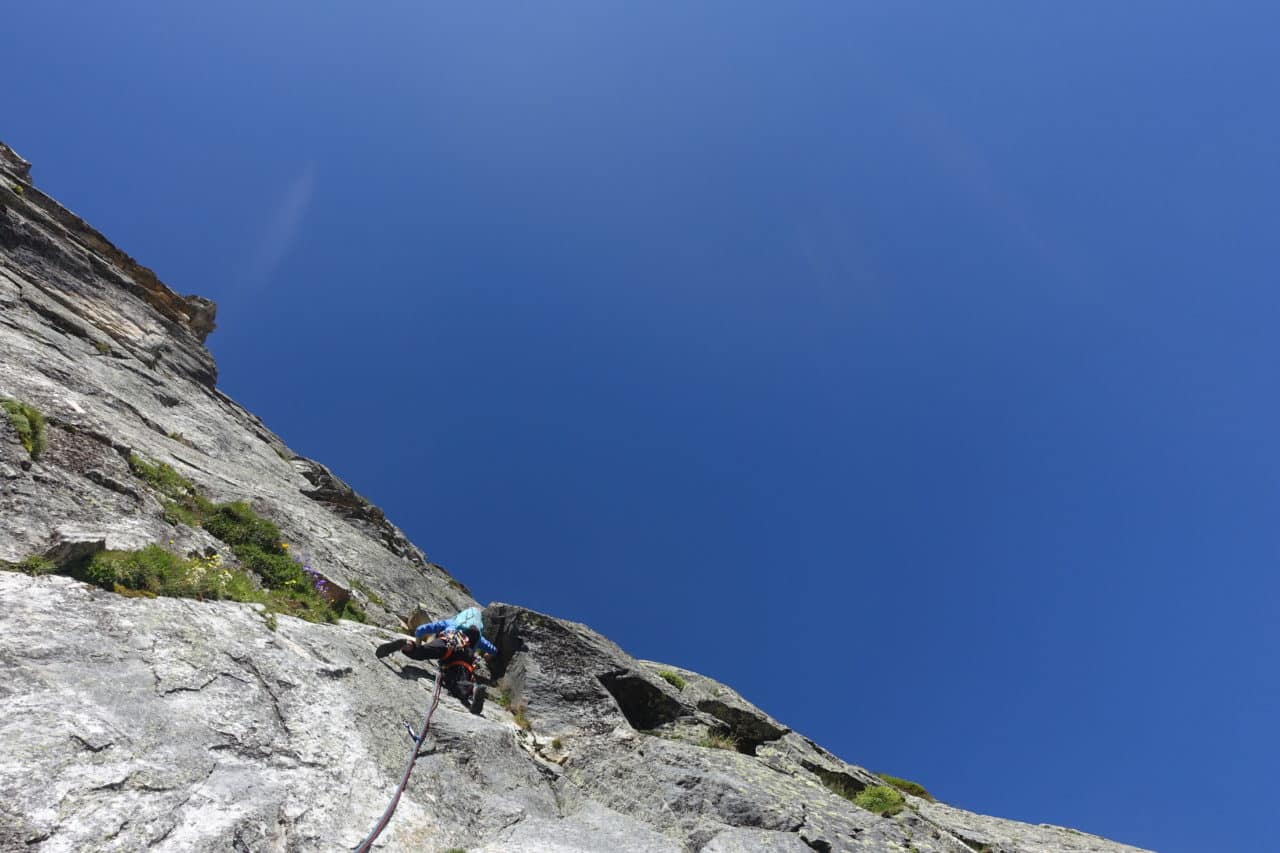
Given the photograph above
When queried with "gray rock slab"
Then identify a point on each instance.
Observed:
(591, 829)
(756, 841)
(1010, 836)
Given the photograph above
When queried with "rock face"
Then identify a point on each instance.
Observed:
(176, 724)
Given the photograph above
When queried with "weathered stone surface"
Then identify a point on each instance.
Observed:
(1009, 836)
(756, 841)
(591, 829)
(14, 164)
(134, 723)
(189, 725)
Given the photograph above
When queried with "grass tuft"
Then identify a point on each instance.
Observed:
(373, 597)
(36, 565)
(881, 799)
(671, 678)
(28, 422)
(288, 586)
(720, 740)
(915, 789)
(161, 477)
(155, 571)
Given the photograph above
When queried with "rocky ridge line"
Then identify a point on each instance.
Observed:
(136, 723)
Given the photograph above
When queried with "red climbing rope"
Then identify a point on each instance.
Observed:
(367, 844)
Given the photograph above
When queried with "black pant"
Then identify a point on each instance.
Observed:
(433, 650)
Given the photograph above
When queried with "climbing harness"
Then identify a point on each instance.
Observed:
(367, 844)
(451, 658)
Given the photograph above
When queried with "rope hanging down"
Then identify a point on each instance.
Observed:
(367, 844)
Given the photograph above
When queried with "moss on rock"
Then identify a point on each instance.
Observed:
(28, 422)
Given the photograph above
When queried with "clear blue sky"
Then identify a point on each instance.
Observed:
(924, 355)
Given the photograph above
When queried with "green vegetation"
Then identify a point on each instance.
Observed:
(185, 505)
(368, 593)
(155, 571)
(28, 422)
(271, 621)
(256, 543)
(557, 744)
(36, 565)
(519, 711)
(720, 740)
(671, 678)
(880, 799)
(161, 476)
(915, 789)
(33, 565)
(840, 784)
(102, 346)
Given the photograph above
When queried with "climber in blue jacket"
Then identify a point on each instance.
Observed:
(458, 623)
(455, 645)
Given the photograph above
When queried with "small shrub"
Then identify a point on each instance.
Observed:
(520, 714)
(368, 593)
(102, 347)
(237, 524)
(28, 422)
(189, 509)
(720, 740)
(155, 571)
(354, 612)
(278, 571)
(290, 586)
(271, 621)
(557, 744)
(907, 787)
(671, 678)
(161, 477)
(35, 565)
(880, 799)
(839, 784)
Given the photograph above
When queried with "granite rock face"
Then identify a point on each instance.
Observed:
(137, 723)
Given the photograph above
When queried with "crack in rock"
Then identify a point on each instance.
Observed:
(89, 746)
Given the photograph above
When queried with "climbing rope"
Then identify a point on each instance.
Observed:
(367, 844)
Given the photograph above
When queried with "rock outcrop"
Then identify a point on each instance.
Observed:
(135, 722)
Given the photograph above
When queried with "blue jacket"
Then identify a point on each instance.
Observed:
(442, 625)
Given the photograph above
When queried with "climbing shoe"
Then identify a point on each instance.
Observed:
(477, 700)
(390, 647)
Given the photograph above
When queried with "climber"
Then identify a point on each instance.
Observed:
(455, 645)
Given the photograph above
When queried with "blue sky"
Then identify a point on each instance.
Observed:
(910, 367)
